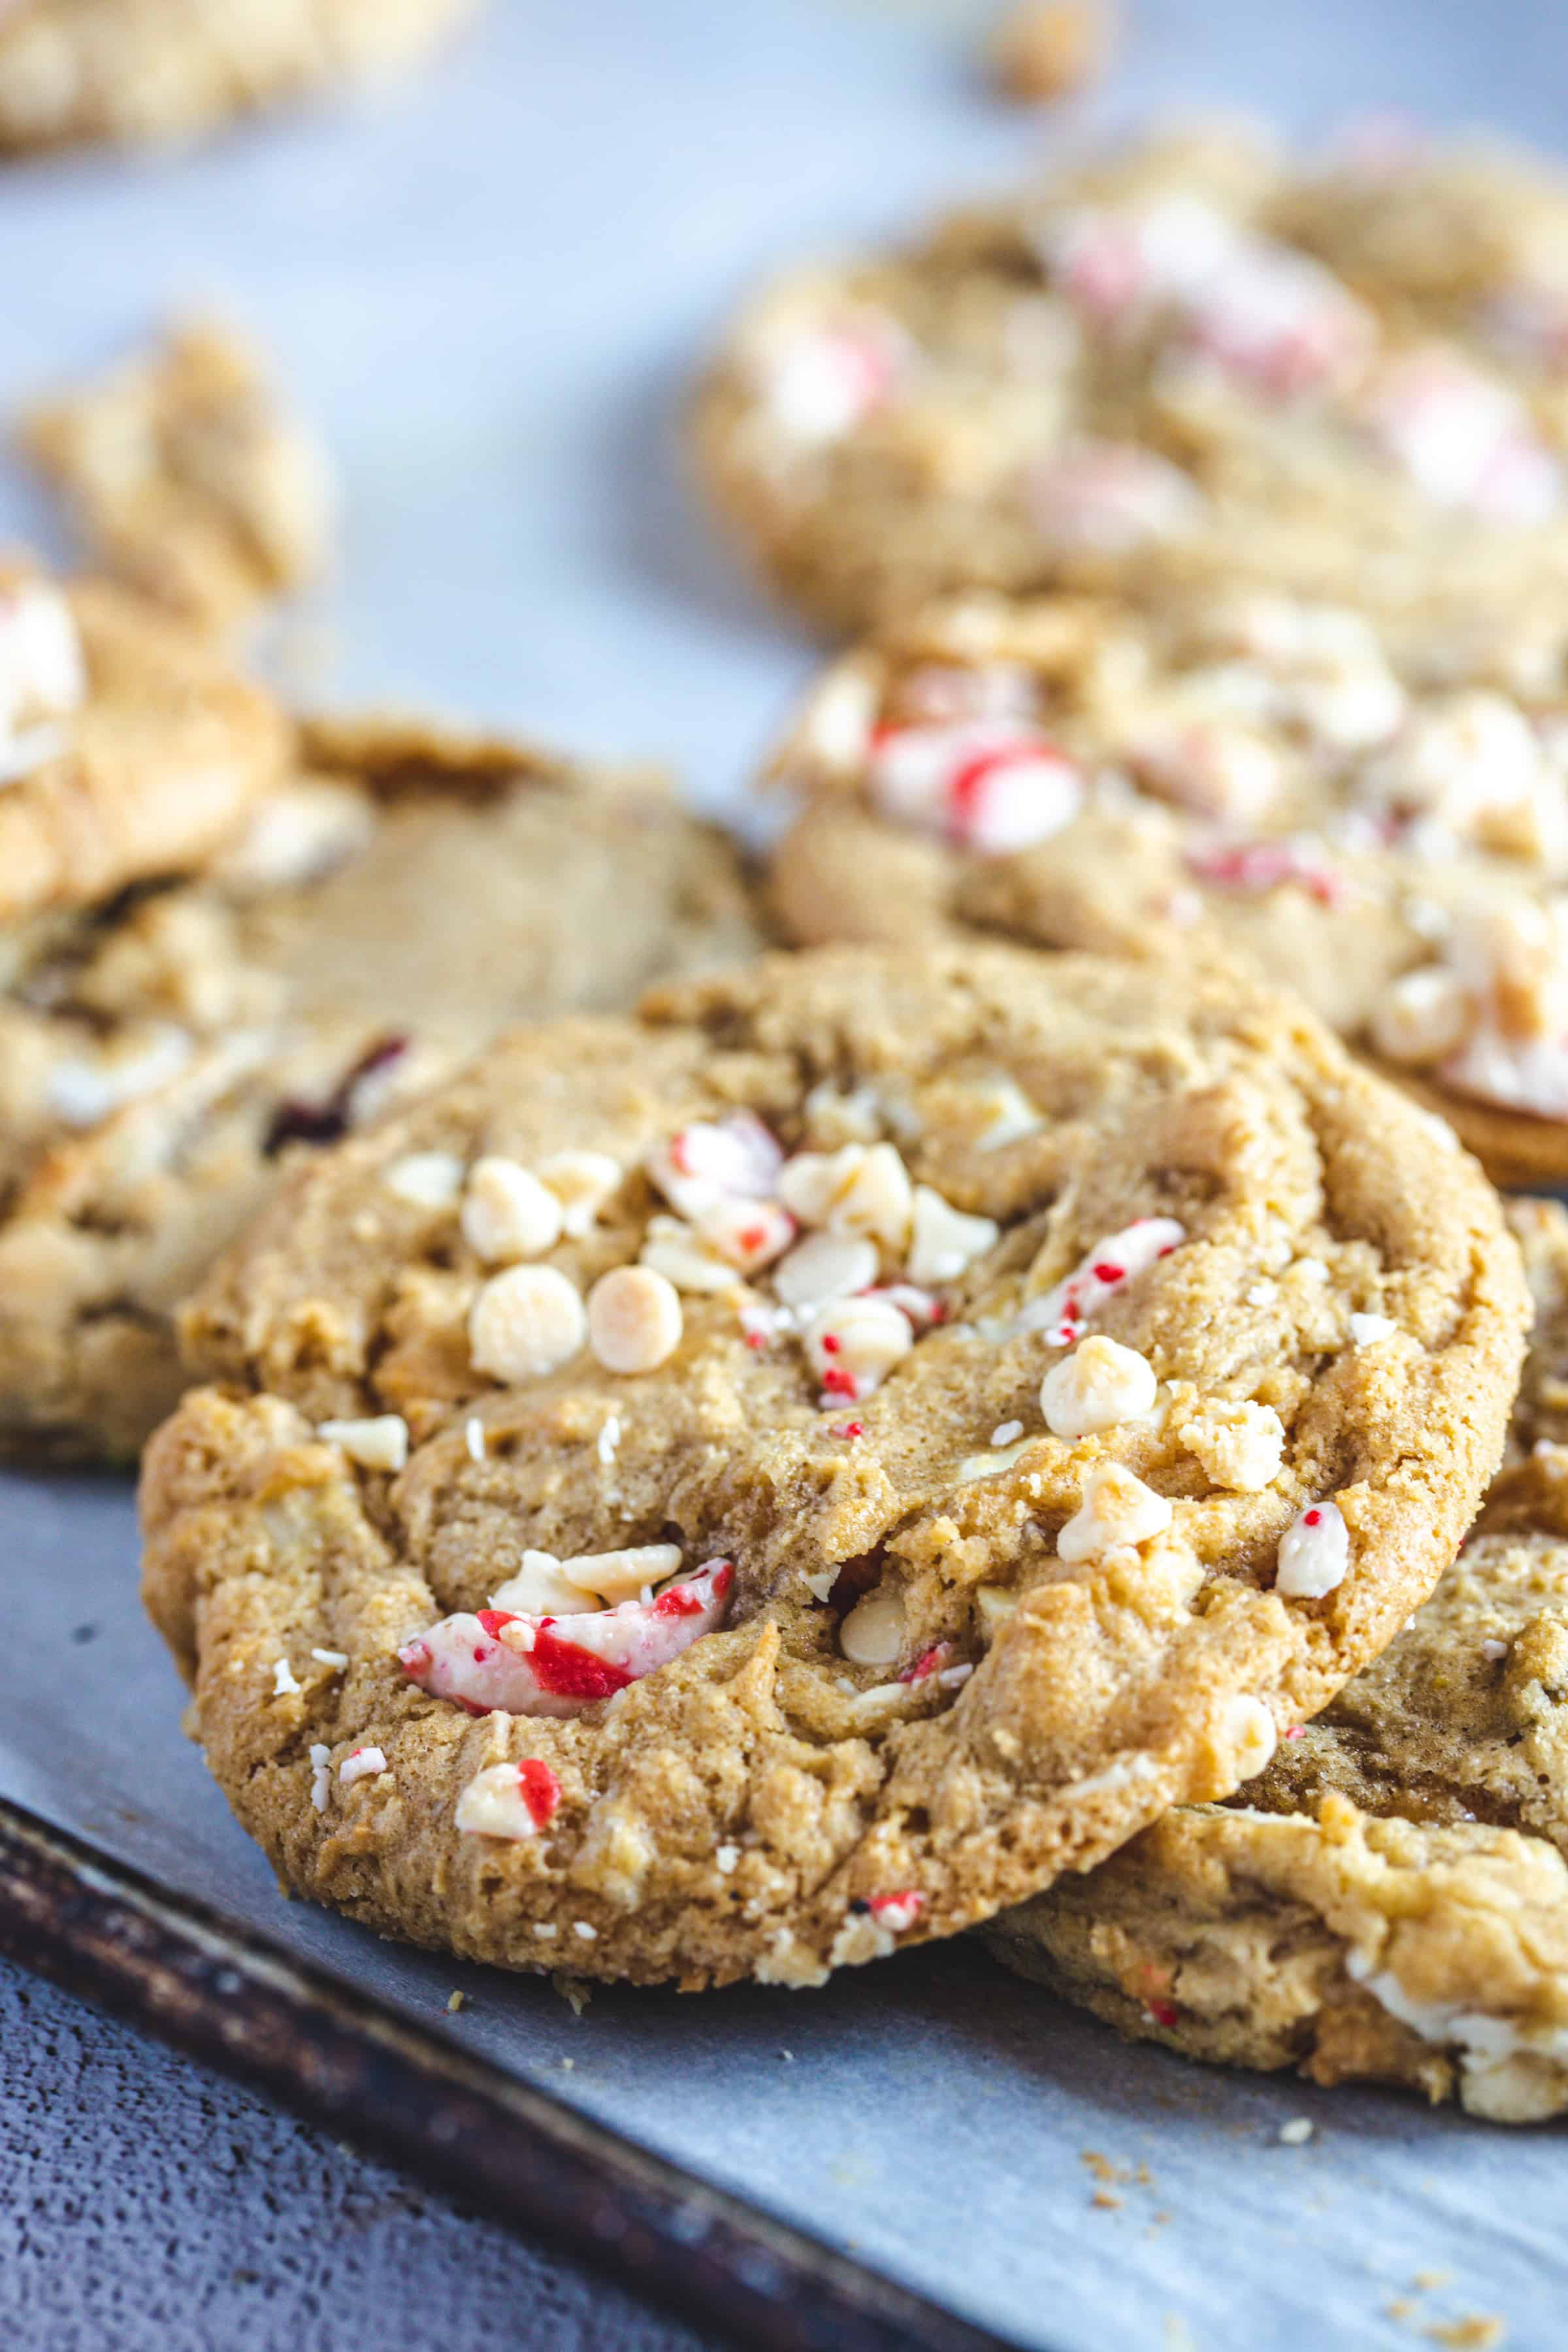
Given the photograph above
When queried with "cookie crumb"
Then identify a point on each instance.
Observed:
(585, 1928)
(725, 1857)
(1043, 50)
(1297, 2132)
(575, 1991)
(454, 2002)
(1479, 2331)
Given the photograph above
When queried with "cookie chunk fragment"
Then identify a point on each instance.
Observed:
(185, 478)
(817, 1587)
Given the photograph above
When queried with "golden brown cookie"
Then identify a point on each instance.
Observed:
(954, 1372)
(1145, 372)
(1391, 1904)
(149, 73)
(185, 478)
(127, 748)
(408, 891)
(1381, 823)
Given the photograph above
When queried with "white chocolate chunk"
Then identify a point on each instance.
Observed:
(824, 1267)
(506, 1213)
(1240, 1444)
(542, 1588)
(634, 1319)
(430, 1179)
(363, 1764)
(321, 1775)
(614, 1576)
(1314, 1553)
(854, 1343)
(945, 1240)
(748, 1234)
(526, 1323)
(582, 1181)
(1101, 1384)
(1116, 1509)
(874, 1632)
(1422, 1016)
(995, 1605)
(283, 1683)
(859, 1188)
(716, 1160)
(1368, 1330)
(380, 1441)
(1252, 1734)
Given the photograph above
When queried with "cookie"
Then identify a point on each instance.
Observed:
(1391, 1903)
(1140, 373)
(403, 894)
(184, 478)
(127, 748)
(151, 73)
(947, 1375)
(1381, 824)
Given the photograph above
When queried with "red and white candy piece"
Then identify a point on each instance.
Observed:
(897, 1912)
(1314, 1553)
(530, 1665)
(1463, 439)
(510, 1800)
(1116, 264)
(714, 1161)
(1259, 866)
(821, 382)
(1063, 1313)
(1279, 322)
(987, 784)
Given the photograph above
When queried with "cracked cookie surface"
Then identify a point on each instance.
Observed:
(825, 1457)
(407, 892)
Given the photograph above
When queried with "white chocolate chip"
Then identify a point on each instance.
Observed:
(859, 1189)
(336, 1660)
(1101, 1384)
(1366, 1330)
(1116, 1509)
(1240, 1444)
(526, 1323)
(676, 1250)
(1314, 1553)
(1422, 1016)
(321, 1775)
(617, 1576)
(377, 1443)
(1011, 1115)
(1252, 1735)
(582, 1181)
(364, 1764)
(946, 1239)
(540, 1587)
(824, 1267)
(995, 1605)
(431, 1180)
(635, 1322)
(873, 1634)
(506, 1213)
(854, 1343)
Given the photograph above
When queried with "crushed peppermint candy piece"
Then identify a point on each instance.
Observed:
(608, 1440)
(1259, 866)
(1063, 1312)
(820, 381)
(1297, 2132)
(362, 1764)
(1314, 1553)
(321, 1776)
(523, 1666)
(1110, 497)
(987, 784)
(474, 1438)
(1463, 437)
(854, 1344)
(283, 1683)
(509, 1801)
(945, 1240)
(711, 1161)
(336, 1660)
(897, 1912)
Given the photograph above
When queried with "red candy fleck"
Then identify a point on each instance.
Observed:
(1106, 1272)
(1296, 1731)
(568, 1670)
(540, 1790)
(830, 1343)
(897, 1911)
(756, 1339)
(679, 1601)
(837, 1381)
(492, 1620)
(927, 1662)
(1312, 1518)
(1163, 2013)
(848, 1429)
(754, 1237)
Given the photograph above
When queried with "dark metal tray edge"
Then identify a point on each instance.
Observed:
(239, 2003)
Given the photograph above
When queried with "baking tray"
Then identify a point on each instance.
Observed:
(488, 292)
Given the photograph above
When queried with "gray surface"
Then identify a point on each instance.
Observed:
(146, 2203)
(488, 295)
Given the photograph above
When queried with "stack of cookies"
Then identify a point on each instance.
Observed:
(1009, 1410)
